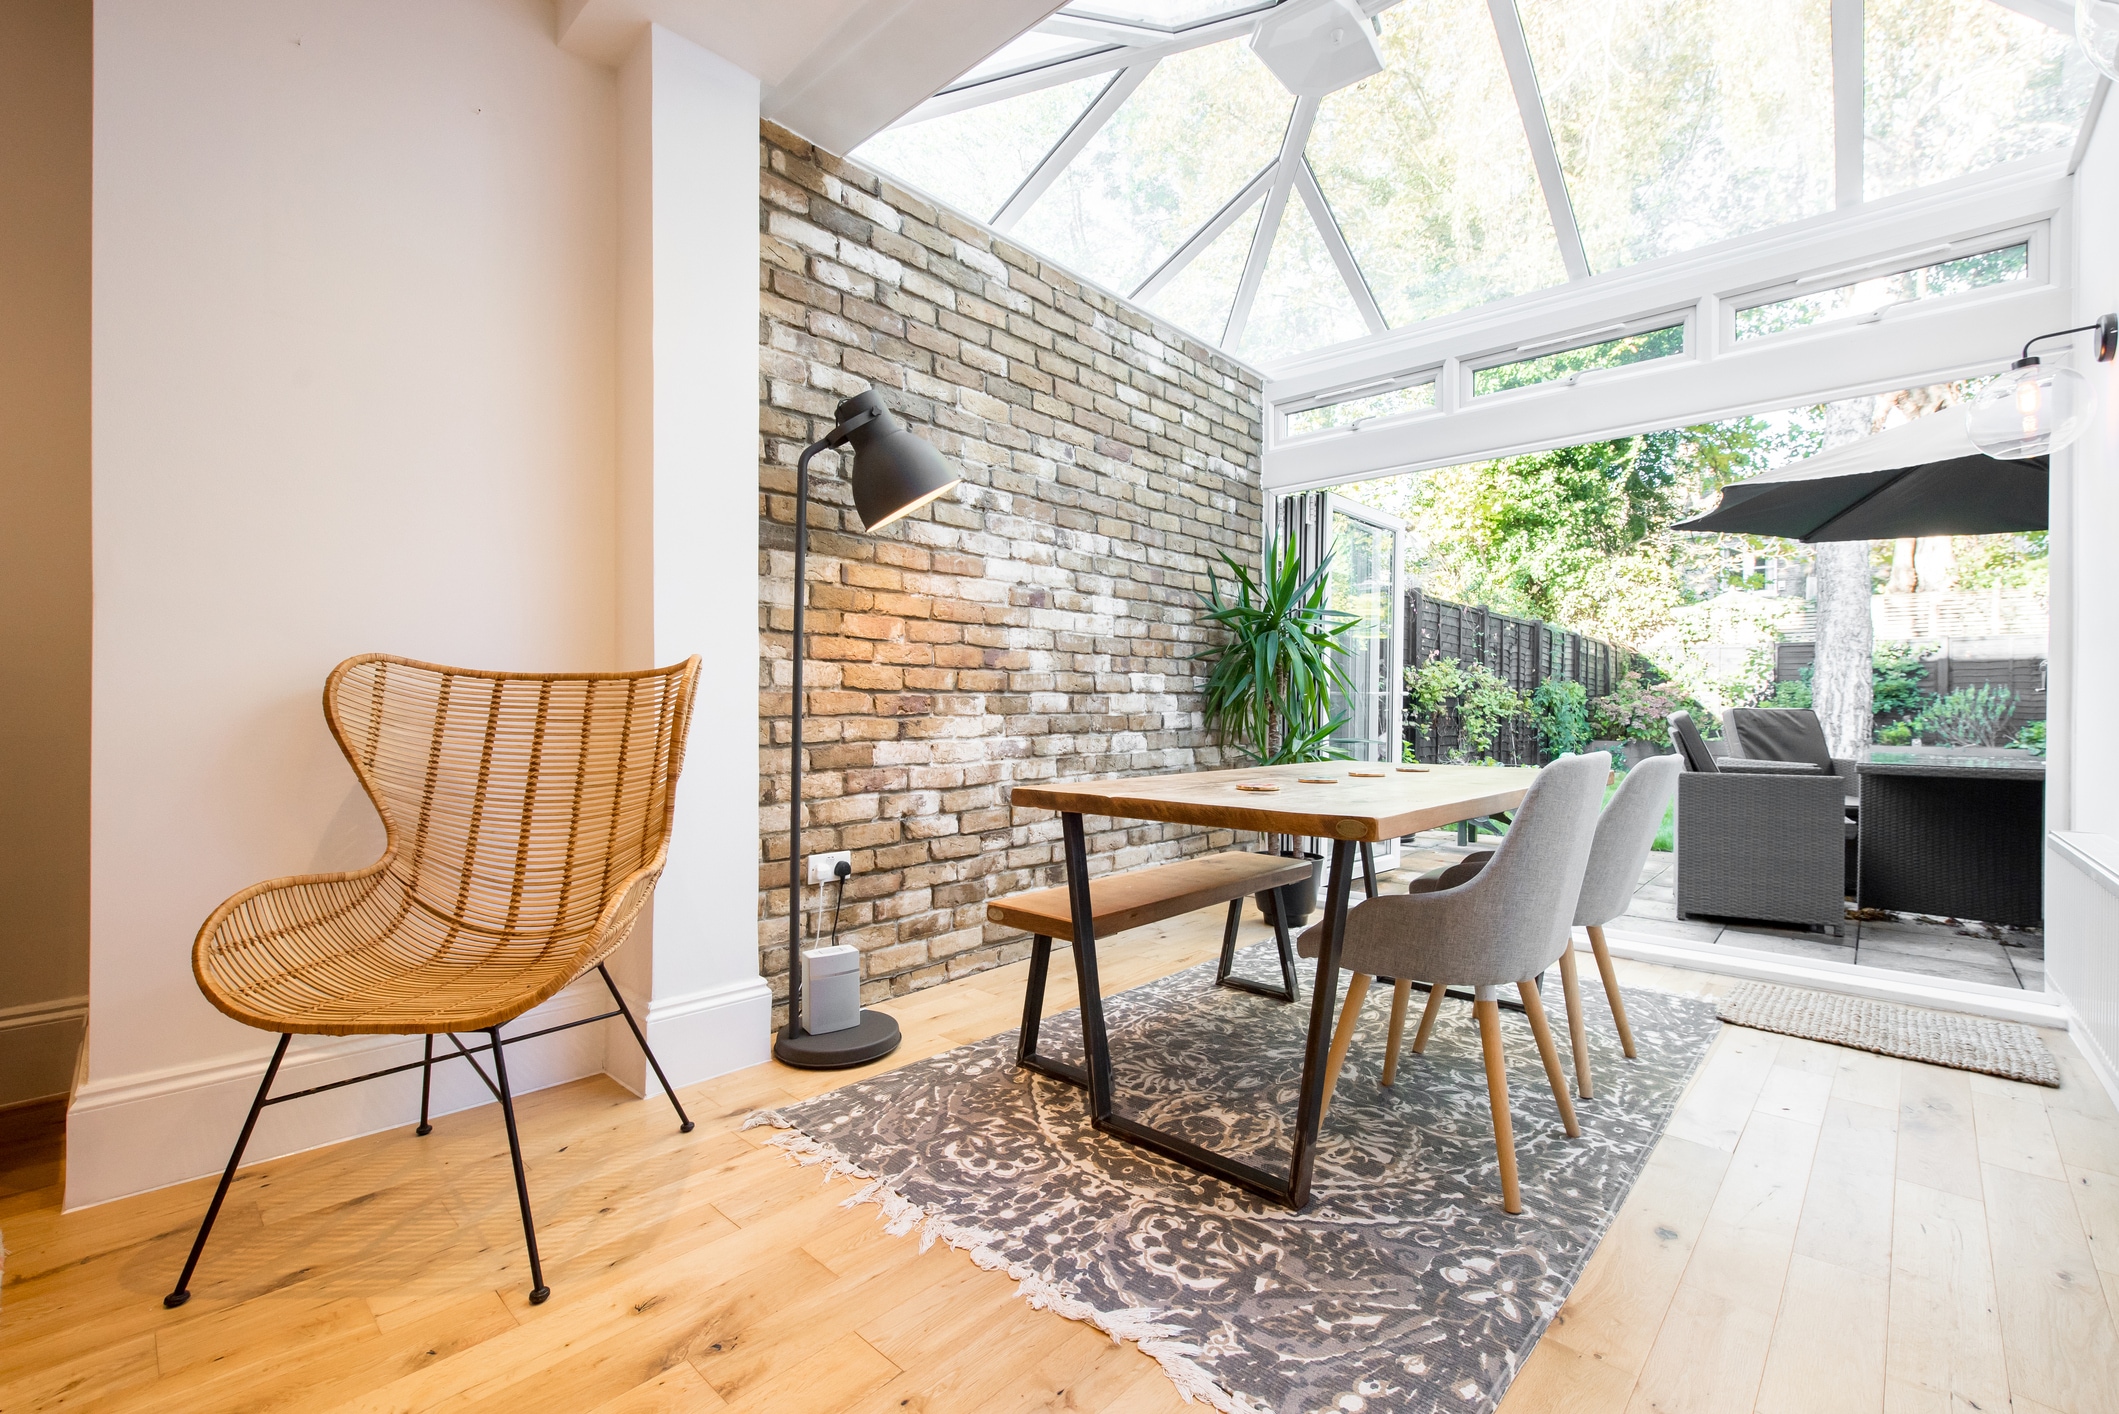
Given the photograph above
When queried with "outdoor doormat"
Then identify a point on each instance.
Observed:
(1402, 1287)
(2004, 1048)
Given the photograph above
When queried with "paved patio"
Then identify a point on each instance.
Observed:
(1930, 947)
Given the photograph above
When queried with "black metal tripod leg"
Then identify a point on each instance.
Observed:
(426, 1087)
(538, 1290)
(182, 1293)
(684, 1121)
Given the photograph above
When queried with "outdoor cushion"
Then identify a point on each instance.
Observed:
(1782, 734)
(1691, 745)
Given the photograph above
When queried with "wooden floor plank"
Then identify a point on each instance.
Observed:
(1816, 1232)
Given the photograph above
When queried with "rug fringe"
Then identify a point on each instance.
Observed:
(901, 1216)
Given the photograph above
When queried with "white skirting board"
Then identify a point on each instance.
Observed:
(134, 1133)
(39, 1042)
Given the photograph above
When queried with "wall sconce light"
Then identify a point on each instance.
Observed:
(2033, 409)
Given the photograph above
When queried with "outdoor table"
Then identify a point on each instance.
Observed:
(1953, 835)
(1352, 811)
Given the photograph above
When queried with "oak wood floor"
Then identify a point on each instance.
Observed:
(1820, 1231)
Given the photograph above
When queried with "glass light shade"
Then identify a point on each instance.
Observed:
(2097, 26)
(2029, 411)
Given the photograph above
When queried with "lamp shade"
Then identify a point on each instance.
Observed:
(2097, 26)
(894, 472)
(2029, 411)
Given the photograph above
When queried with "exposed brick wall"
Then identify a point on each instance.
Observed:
(1037, 623)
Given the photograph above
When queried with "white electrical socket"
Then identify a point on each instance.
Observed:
(823, 868)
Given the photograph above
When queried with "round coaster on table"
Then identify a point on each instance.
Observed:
(1411, 768)
(1256, 785)
(1318, 780)
(1377, 774)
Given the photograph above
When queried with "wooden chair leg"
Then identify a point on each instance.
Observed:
(1489, 1014)
(1400, 992)
(1534, 1008)
(1357, 988)
(1428, 1014)
(1571, 985)
(1611, 988)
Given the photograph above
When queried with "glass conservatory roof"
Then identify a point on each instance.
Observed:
(1502, 148)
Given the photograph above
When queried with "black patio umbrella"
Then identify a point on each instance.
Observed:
(1923, 477)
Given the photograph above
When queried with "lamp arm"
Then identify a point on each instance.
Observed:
(794, 754)
(2106, 329)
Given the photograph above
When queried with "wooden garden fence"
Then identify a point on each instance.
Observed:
(1522, 652)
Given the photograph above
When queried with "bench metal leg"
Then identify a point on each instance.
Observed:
(1290, 988)
(1033, 1014)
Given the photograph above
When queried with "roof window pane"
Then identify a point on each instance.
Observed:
(1369, 407)
(1192, 134)
(1033, 50)
(1610, 353)
(1947, 277)
(1954, 86)
(1199, 298)
(1164, 14)
(975, 160)
(1427, 171)
(1302, 303)
(1684, 122)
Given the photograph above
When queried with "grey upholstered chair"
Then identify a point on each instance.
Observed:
(1504, 925)
(1625, 833)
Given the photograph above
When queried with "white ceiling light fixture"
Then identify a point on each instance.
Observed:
(1315, 52)
(2033, 409)
(2097, 26)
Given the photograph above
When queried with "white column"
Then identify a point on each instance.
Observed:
(687, 534)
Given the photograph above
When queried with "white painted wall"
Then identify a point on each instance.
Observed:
(688, 530)
(2082, 910)
(44, 554)
(354, 378)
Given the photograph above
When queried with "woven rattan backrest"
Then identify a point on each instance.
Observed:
(514, 802)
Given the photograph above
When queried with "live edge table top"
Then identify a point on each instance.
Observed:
(1353, 802)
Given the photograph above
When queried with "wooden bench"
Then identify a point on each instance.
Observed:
(1140, 897)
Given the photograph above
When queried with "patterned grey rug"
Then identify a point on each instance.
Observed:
(2008, 1049)
(1403, 1286)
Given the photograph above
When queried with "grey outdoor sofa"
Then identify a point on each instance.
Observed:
(1759, 840)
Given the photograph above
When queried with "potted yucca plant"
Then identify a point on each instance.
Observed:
(1269, 686)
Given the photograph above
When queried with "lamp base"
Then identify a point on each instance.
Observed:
(876, 1036)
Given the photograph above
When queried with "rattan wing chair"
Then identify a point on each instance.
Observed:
(527, 819)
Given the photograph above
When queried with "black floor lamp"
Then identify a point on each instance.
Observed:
(894, 473)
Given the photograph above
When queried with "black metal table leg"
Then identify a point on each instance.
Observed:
(182, 1293)
(1292, 1188)
(1368, 871)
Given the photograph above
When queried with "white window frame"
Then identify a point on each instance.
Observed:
(2037, 235)
(1373, 388)
(1682, 317)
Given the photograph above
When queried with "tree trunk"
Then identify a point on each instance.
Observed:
(1840, 684)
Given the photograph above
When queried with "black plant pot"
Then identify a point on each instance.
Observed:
(1298, 901)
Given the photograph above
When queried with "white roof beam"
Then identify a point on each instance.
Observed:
(1357, 284)
(1544, 154)
(1847, 87)
(1092, 120)
(1292, 143)
(1232, 210)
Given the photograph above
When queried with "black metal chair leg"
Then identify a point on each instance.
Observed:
(182, 1293)
(538, 1290)
(426, 1087)
(684, 1121)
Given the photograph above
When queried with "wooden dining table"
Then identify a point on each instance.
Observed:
(1356, 805)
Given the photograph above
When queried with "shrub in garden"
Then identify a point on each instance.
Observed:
(2031, 737)
(1559, 708)
(1479, 698)
(1638, 710)
(1970, 716)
